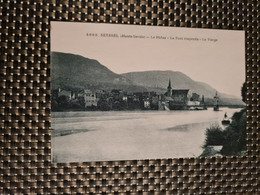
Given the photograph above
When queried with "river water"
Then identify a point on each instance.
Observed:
(131, 135)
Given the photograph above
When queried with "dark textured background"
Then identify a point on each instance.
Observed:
(25, 163)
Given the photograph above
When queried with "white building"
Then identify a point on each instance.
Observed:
(90, 98)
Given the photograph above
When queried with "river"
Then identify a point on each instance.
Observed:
(130, 135)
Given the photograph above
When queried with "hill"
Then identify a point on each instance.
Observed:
(69, 71)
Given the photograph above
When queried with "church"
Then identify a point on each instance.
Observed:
(177, 99)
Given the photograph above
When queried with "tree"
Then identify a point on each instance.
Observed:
(243, 92)
(63, 101)
(235, 134)
(54, 105)
(104, 105)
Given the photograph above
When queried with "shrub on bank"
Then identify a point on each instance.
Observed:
(214, 136)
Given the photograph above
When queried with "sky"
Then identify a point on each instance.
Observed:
(215, 57)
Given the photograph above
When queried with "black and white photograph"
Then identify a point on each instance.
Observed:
(133, 92)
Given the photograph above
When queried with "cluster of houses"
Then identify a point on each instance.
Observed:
(172, 99)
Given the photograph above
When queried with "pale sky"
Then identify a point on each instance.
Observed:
(219, 63)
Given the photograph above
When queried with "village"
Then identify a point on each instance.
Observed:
(117, 99)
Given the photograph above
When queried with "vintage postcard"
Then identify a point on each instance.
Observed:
(129, 92)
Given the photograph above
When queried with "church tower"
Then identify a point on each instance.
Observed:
(169, 89)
